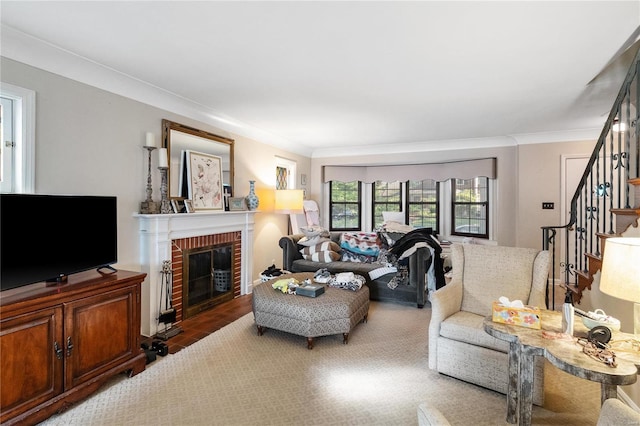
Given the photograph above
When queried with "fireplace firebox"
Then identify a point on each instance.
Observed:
(207, 278)
(206, 272)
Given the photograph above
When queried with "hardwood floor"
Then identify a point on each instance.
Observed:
(205, 323)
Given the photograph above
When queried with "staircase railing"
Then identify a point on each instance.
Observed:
(604, 188)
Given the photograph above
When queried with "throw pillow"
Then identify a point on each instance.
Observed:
(323, 246)
(326, 251)
(393, 217)
(313, 235)
(323, 256)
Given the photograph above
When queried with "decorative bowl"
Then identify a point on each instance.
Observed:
(604, 319)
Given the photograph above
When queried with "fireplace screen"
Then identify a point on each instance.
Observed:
(209, 278)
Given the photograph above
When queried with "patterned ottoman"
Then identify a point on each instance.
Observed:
(335, 311)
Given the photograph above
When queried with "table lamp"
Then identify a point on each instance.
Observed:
(289, 201)
(620, 275)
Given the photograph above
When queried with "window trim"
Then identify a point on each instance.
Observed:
(487, 208)
(291, 167)
(374, 203)
(25, 131)
(359, 204)
(438, 203)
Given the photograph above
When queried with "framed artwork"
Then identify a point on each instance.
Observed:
(188, 205)
(227, 192)
(178, 205)
(204, 177)
(237, 203)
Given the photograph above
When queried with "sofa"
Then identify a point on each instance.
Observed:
(413, 293)
(458, 344)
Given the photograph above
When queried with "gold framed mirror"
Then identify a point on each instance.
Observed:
(178, 138)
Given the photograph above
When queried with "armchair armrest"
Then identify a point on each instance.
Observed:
(289, 245)
(445, 302)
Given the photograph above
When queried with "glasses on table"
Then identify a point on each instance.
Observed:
(598, 351)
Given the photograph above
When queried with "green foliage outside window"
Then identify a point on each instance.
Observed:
(423, 203)
(387, 197)
(470, 206)
(345, 205)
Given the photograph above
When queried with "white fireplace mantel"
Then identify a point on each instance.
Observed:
(156, 233)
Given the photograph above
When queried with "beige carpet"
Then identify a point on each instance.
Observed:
(235, 377)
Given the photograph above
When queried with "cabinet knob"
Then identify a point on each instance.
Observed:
(69, 346)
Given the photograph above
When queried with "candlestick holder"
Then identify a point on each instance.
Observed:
(149, 206)
(165, 205)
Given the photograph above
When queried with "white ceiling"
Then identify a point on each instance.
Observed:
(328, 76)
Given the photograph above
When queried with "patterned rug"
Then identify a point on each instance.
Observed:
(235, 377)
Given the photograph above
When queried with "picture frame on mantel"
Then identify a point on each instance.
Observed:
(204, 177)
(237, 204)
(178, 205)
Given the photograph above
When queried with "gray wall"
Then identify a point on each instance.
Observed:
(89, 141)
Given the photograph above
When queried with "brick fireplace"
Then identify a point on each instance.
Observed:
(180, 254)
(164, 236)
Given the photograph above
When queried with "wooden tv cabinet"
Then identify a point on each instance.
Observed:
(60, 343)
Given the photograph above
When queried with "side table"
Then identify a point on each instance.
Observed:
(565, 354)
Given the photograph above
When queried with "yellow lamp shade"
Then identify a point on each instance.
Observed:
(289, 201)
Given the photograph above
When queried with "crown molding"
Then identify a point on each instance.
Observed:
(414, 147)
(558, 136)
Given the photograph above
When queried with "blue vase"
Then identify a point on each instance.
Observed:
(252, 199)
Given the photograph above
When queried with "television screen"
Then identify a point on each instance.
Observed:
(47, 237)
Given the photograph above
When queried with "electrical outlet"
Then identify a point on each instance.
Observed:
(547, 206)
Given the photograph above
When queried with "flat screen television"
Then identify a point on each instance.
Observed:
(48, 237)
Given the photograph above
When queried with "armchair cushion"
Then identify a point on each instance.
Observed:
(467, 327)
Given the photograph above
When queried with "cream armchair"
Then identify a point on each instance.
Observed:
(458, 345)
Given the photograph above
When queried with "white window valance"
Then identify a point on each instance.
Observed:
(466, 169)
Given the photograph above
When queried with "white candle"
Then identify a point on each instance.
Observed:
(162, 158)
(150, 139)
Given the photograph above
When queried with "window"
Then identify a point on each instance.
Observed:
(451, 208)
(423, 204)
(387, 197)
(285, 173)
(345, 206)
(470, 207)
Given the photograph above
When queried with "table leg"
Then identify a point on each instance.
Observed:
(512, 386)
(608, 391)
(525, 394)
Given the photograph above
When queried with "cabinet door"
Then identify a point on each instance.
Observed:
(30, 367)
(100, 332)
